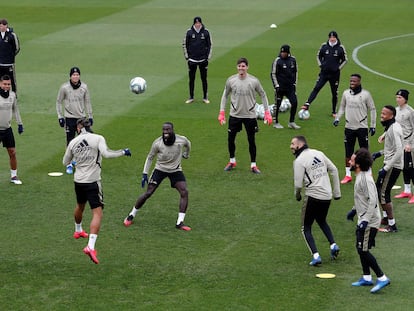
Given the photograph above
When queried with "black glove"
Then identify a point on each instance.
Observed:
(298, 196)
(144, 180)
(351, 214)
(363, 225)
(382, 173)
(372, 131)
(127, 152)
(337, 198)
(376, 155)
(20, 128)
(61, 122)
(91, 121)
(336, 122)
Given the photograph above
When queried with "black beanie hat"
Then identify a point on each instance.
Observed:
(333, 33)
(403, 93)
(73, 70)
(285, 48)
(197, 19)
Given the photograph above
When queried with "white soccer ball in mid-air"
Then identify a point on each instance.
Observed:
(304, 114)
(138, 85)
(285, 105)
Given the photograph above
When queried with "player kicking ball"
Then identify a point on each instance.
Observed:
(169, 149)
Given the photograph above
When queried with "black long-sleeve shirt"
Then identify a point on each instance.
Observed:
(197, 45)
(331, 58)
(9, 47)
(284, 72)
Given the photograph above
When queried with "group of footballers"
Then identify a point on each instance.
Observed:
(85, 150)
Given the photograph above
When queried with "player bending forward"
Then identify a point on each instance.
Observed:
(169, 149)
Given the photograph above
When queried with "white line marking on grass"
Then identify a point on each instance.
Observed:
(356, 60)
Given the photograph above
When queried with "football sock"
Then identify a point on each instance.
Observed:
(78, 227)
(92, 240)
(316, 255)
(407, 188)
(181, 217)
(232, 160)
(384, 214)
(348, 171)
(368, 277)
(133, 212)
(333, 245)
(391, 222)
(383, 278)
(253, 164)
(13, 173)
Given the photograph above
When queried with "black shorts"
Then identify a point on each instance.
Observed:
(7, 138)
(89, 192)
(384, 185)
(236, 125)
(158, 176)
(365, 239)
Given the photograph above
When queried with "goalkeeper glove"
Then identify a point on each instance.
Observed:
(20, 128)
(127, 152)
(61, 122)
(268, 117)
(221, 117)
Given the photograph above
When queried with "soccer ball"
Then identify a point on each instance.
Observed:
(304, 114)
(285, 105)
(138, 85)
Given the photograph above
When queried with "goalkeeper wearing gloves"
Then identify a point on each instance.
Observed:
(243, 88)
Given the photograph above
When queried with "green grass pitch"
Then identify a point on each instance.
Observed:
(245, 251)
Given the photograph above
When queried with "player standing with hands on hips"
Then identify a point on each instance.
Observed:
(356, 104)
(242, 88)
(9, 48)
(87, 149)
(369, 219)
(8, 108)
(169, 149)
(331, 59)
(284, 77)
(72, 103)
(197, 47)
(311, 168)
